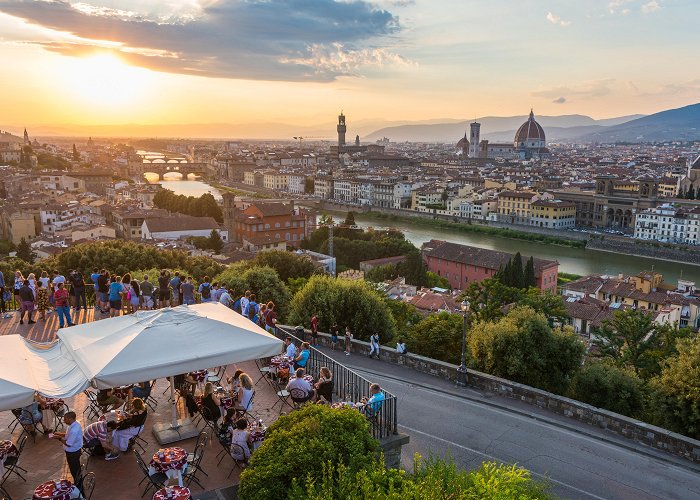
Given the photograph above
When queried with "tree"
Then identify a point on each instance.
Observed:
(325, 220)
(507, 274)
(529, 274)
(24, 251)
(605, 385)
(433, 280)
(287, 264)
(264, 282)
(379, 274)
(215, 241)
(676, 391)
(518, 273)
(487, 298)
(6, 246)
(76, 155)
(405, 315)
(309, 185)
(545, 302)
(413, 268)
(298, 445)
(632, 340)
(347, 303)
(350, 219)
(438, 336)
(523, 348)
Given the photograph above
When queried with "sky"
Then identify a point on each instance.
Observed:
(302, 61)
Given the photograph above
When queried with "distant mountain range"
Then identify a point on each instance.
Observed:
(674, 124)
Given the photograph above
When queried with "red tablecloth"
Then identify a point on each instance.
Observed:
(122, 392)
(167, 459)
(227, 402)
(173, 493)
(280, 361)
(7, 449)
(257, 434)
(48, 490)
(199, 376)
(118, 413)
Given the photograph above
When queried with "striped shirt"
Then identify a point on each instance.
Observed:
(97, 430)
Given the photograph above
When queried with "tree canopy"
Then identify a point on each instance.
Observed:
(438, 336)
(605, 385)
(263, 281)
(204, 206)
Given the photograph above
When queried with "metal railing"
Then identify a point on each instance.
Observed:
(349, 386)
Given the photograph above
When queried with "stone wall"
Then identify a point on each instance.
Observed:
(683, 254)
(638, 431)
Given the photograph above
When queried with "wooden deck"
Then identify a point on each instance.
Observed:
(43, 330)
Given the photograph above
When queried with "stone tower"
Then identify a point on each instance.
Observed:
(341, 130)
(230, 214)
(26, 138)
(475, 132)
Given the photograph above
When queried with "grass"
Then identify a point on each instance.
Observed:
(237, 192)
(476, 228)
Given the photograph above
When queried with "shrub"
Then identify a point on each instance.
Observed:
(299, 444)
(606, 386)
(262, 281)
(347, 303)
(439, 336)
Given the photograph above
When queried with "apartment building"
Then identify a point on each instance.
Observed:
(553, 214)
(669, 224)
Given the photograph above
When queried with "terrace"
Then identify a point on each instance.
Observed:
(119, 479)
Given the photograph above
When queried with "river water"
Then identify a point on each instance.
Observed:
(189, 187)
(571, 260)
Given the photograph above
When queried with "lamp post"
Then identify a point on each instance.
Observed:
(462, 376)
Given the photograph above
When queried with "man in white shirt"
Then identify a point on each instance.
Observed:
(290, 348)
(245, 300)
(72, 441)
(225, 298)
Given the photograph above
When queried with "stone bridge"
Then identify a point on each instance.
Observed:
(162, 167)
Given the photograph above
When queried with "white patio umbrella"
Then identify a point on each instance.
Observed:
(152, 344)
(26, 367)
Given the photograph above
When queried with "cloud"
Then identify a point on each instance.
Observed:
(288, 40)
(555, 19)
(650, 7)
(585, 90)
(622, 7)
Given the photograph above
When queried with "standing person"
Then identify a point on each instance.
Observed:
(58, 277)
(94, 277)
(44, 278)
(26, 297)
(146, 293)
(72, 441)
(244, 302)
(2, 293)
(251, 311)
(76, 278)
(42, 299)
(163, 289)
(19, 282)
(314, 331)
(216, 292)
(348, 340)
(116, 290)
(134, 296)
(271, 318)
(187, 289)
(225, 298)
(374, 345)
(334, 336)
(103, 287)
(175, 285)
(205, 290)
(32, 282)
(62, 308)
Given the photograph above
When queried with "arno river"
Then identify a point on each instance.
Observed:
(571, 260)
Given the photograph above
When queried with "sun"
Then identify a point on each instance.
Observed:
(105, 80)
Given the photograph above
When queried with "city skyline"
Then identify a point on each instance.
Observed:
(163, 62)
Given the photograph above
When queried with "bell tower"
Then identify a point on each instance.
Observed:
(474, 139)
(341, 130)
(230, 214)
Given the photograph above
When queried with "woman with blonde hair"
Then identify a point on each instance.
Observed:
(245, 394)
(128, 428)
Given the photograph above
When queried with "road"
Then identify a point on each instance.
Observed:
(579, 461)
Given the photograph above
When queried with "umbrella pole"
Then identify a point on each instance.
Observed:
(173, 404)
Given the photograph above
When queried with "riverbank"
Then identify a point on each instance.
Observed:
(640, 249)
(237, 192)
(428, 221)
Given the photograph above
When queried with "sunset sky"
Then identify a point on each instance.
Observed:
(217, 61)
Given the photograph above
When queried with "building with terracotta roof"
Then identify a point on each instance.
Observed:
(553, 214)
(462, 264)
(279, 221)
(180, 227)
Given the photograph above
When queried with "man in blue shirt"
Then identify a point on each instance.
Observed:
(2, 293)
(116, 289)
(375, 402)
(72, 441)
(303, 357)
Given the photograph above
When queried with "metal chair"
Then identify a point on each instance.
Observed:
(4, 495)
(88, 485)
(12, 463)
(299, 396)
(283, 397)
(93, 409)
(58, 414)
(155, 481)
(198, 449)
(238, 455)
(195, 466)
(263, 369)
(210, 421)
(137, 440)
(218, 377)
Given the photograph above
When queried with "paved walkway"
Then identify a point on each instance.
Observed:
(580, 461)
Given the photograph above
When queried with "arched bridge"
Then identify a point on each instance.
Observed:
(162, 167)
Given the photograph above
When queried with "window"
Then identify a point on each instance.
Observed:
(286, 224)
(267, 226)
(260, 227)
(286, 236)
(277, 225)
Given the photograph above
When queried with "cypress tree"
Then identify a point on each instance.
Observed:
(517, 271)
(507, 274)
(530, 273)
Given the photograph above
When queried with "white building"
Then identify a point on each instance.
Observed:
(180, 227)
(296, 183)
(402, 194)
(668, 224)
(343, 190)
(323, 187)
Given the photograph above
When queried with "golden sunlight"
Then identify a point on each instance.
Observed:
(105, 80)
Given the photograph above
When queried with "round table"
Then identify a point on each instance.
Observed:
(228, 401)
(256, 435)
(54, 404)
(122, 392)
(171, 461)
(118, 414)
(199, 376)
(173, 493)
(7, 449)
(54, 490)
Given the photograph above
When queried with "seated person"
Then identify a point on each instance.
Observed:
(227, 427)
(300, 390)
(240, 436)
(401, 347)
(324, 386)
(30, 416)
(245, 394)
(212, 402)
(128, 428)
(98, 434)
(303, 356)
(375, 402)
(107, 400)
(142, 390)
(235, 381)
(289, 348)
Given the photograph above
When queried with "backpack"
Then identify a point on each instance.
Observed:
(237, 306)
(224, 436)
(206, 291)
(78, 280)
(252, 310)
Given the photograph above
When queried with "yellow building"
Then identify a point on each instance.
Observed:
(554, 214)
(668, 187)
(514, 206)
(21, 225)
(275, 180)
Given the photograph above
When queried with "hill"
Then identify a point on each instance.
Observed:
(8, 137)
(681, 124)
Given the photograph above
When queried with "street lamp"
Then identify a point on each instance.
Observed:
(462, 376)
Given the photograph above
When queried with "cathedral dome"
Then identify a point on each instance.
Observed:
(530, 134)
